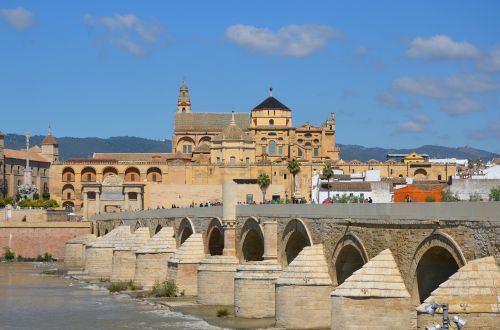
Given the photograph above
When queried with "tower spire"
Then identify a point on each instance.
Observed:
(233, 122)
(184, 102)
(271, 91)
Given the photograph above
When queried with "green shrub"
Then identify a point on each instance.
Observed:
(39, 203)
(24, 219)
(447, 196)
(495, 194)
(2, 203)
(430, 199)
(36, 196)
(122, 286)
(474, 198)
(165, 289)
(45, 195)
(222, 312)
(8, 254)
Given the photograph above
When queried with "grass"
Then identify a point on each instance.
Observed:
(123, 286)
(9, 255)
(165, 289)
(222, 312)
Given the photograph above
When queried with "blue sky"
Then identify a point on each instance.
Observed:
(397, 73)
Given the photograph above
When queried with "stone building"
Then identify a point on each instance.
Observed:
(13, 164)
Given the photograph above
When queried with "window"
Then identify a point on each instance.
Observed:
(316, 141)
(187, 148)
(183, 109)
(154, 177)
(90, 196)
(280, 151)
(232, 160)
(316, 153)
(439, 177)
(280, 139)
(272, 148)
(307, 135)
(218, 159)
(299, 152)
(132, 196)
(271, 122)
(284, 176)
(247, 160)
(264, 149)
(132, 177)
(89, 177)
(300, 140)
(263, 139)
(392, 171)
(272, 134)
(68, 195)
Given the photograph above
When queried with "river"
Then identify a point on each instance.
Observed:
(29, 300)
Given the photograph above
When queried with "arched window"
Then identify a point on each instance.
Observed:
(439, 177)
(183, 109)
(299, 152)
(272, 148)
(232, 160)
(271, 122)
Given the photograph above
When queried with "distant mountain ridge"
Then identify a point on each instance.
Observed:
(70, 147)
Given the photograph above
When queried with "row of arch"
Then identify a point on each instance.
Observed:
(435, 259)
(131, 174)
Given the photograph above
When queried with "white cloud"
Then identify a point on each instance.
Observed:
(392, 100)
(449, 87)
(441, 47)
(491, 62)
(19, 17)
(127, 32)
(416, 125)
(461, 106)
(290, 40)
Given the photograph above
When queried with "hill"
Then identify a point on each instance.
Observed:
(70, 147)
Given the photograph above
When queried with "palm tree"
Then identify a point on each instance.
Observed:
(263, 181)
(293, 168)
(328, 173)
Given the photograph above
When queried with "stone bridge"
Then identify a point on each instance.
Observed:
(429, 243)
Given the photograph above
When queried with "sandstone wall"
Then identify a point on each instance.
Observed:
(373, 313)
(99, 262)
(34, 239)
(123, 265)
(150, 268)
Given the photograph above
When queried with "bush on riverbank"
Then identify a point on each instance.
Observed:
(165, 289)
(222, 312)
(123, 286)
(8, 254)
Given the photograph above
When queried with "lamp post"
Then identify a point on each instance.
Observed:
(431, 310)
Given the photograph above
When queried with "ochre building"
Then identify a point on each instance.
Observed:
(210, 148)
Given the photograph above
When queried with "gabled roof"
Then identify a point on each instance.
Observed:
(21, 154)
(208, 122)
(272, 104)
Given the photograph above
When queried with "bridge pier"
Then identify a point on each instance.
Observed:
(254, 283)
(183, 265)
(216, 273)
(152, 259)
(74, 251)
(303, 291)
(124, 257)
(99, 255)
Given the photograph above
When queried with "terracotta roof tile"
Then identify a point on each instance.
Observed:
(208, 122)
(21, 154)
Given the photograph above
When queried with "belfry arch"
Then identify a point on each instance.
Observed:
(349, 255)
(252, 241)
(296, 236)
(215, 238)
(435, 260)
(186, 229)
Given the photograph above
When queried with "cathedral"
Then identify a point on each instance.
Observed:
(265, 134)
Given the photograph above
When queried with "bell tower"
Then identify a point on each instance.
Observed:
(184, 103)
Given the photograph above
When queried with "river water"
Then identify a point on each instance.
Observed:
(29, 300)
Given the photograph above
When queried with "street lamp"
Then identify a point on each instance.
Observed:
(431, 310)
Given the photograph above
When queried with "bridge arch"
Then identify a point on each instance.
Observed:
(252, 241)
(436, 258)
(186, 229)
(215, 238)
(296, 236)
(348, 256)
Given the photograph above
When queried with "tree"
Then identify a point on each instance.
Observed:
(328, 173)
(263, 181)
(495, 194)
(294, 168)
